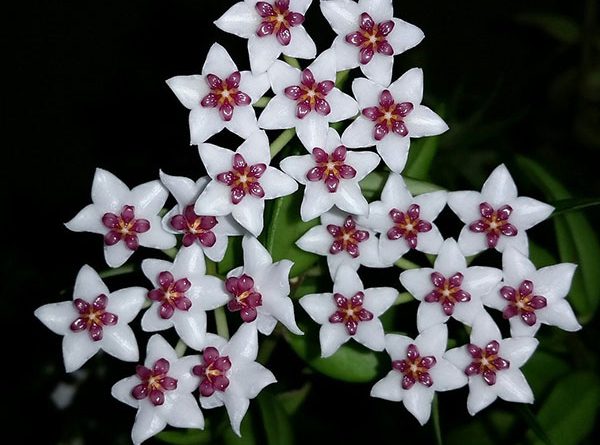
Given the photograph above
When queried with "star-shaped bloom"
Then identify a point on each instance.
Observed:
(306, 100)
(331, 175)
(496, 218)
(272, 28)
(220, 97)
(369, 36)
(450, 288)
(351, 311)
(161, 391)
(405, 222)
(241, 182)
(529, 298)
(492, 365)
(181, 295)
(419, 369)
(127, 218)
(390, 116)
(95, 319)
(260, 289)
(230, 375)
(342, 241)
(209, 232)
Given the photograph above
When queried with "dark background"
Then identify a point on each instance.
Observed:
(86, 89)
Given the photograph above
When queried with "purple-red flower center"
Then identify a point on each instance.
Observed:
(494, 223)
(347, 237)
(310, 95)
(415, 368)
(371, 38)
(243, 179)
(447, 292)
(171, 294)
(486, 361)
(245, 298)
(522, 301)
(388, 116)
(92, 317)
(195, 227)
(408, 225)
(212, 372)
(225, 95)
(155, 382)
(350, 311)
(124, 227)
(330, 168)
(278, 19)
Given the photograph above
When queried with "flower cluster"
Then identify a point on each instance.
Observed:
(231, 201)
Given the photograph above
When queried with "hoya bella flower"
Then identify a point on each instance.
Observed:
(496, 218)
(221, 97)
(272, 28)
(450, 288)
(351, 311)
(528, 297)
(306, 100)
(492, 365)
(405, 222)
(390, 116)
(209, 232)
(241, 182)
(342, 241)
(419, 370)
(260, 289)
(161, 391)
(95, 319)
(369, 36)
(331, 175)
(230, 375)
(127, 218)
(181, 295)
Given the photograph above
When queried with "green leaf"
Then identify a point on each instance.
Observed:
(417, 187)
(573, 204)
(543, 369)
(562, 28)
(275, 420)
(373, 183)
(540, 256)
(292, 400)
(188, 437)
(233, 256)
(420, 157)
(246, 429)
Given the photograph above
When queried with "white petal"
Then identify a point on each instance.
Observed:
(255, 378)
(216, 159)
(297, 167)
(554, 282)
(156, 237)
(396, 345)
(347, 282)
(323, 67)
(241, 20)
(217, 251)
(237, 406)
(379, 10)
(417, 400)
(89, 219)
(204, 122)
(342, 15)
(380, 299)
(127, 303)
(119, 341)
(484, 330)
(518, 350)
(342, 106)
(430, 314)
(262, 52)
(316, 201)
(189, 263)
(359, 134)
(391, 251)
(517, 267)
(334, 217)
(283, 311)
(108, 191)
(366, 92)
(430, 242)
(276, 183)
(149, 198)
(370, 334)
(446, 376)
(214, 200)
(527, 212)
(122, 390)
(364, 162)
(191, 327)
(265, 323)
(214, 401)
(88, 284)
(481, 395)
(218, 62)
(147, 423)
(349, 198)
(57, 316)
(465, 205)
(316, 240)
(117, 254)
(433, 341)
(467, 312)
(512, 386)
(254, 85)
(279, 113)
(182, 370)
(312, 130)
(450, 259)
(255, 149)
(77, 349)
(228, 226)
(394, 151)
(244, 343)
(431, 204)
(417, 281)
(301, 45)
(243, 122)
(559, 313)
(395, 192)
(404, 36)
(152, 321)
(335, 261)
(480, 280)
(422, 121)
(256, 257)
(189, 89)
(379, 69)
(319, 306)
(519, 242)
(332, 336)
(158, 348)
(300, 5)
(518, 328)
(389, 387)
(185, 413)
(471, 243)
(184, 190)
(152, 268)
(494, 300)
(346, 55)
(459, 357)
(211, 293)
(499, 188)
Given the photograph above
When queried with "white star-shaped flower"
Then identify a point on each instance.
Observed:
(492, 365)
(181, 295)
(496, 218)
(306, 100)
(331, 176)
(450, 288)
(390, 116)
(418, 371)
(209, 232)
(530, 297)
(95, 319)
(241, 182)
(405, 222)
(230, 374)
(369, 36)
(221, 97)
(351, 311)
(127, 218)
(260, 289)
(161, 391)
(272, 28)
(342, 241)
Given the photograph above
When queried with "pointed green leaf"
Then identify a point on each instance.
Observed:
(276, 422)
(420, 157)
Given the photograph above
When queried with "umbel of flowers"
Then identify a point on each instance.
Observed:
(170, 388)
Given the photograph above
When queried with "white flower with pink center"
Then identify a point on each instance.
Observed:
(419, 370)
(342, 241)
(331, 175)
(306, 100)
(272, 27)
(351, 311)
(390, 116)
(259, 291)
(221, 97)
(181, 295)
(209, 232)
(161, 391)
(126, 218)
(492, 365)
(95, 319)
(496, 218)
(241, 182)
(529, 298)
(369, 36)
(450, 288)
(230, 375)
(405, 222)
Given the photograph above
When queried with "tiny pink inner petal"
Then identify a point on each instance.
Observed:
(474, 350)
(456, 279)
(432, 297)
(414, 211)
(437, 279)
(165, 279)
(239, 163)
(504, 212)
(407, 381)
(178, 222)
(526, 288)
(404, 108)
(509, 230)
(248, 314)
(220, 383)
(372, 113)
(303, 109)
(334, 230)
(210, 354)
(349, 223)
(161, 366)
(183, 303)
(241, 99)
(339, 154)
(96, 332)
(462, 296)
(325, 87)
(510, 311)
(336, 247)
(293, 92)
(142, 372)
(141, 225)
(412, 352)
(166, 311)
(357, 299)
(214, 82)
(100, 302)
(396, 215)
(233, 81)
(360, 235)
(320, 155)
(226, 178)
(386, 99)
(489, 377)
(400, 128)
(386, 27)
(156, 294)
(486, 210)
(448, 307)
(353, 250)
(424, 226)
(80, 324)
(472, 369)
(283, 5)
(492, 348)
(206, 388)
(355, 38)
(132, 242)
(188, 239)
(538, 302)
(257, 170)
(207, 239)
(529, 318)
(425, 379)
(399, 365)
(112, 238)
(411, 240)
(347, 171)
(110, 220)
(340, 300)
(237, 194)
(428, 362)
(332, 183)
(385, 48)
(501, 363)
(127, 214)
(245, 283)
(284, 35)
(295, 19)
(351, 327)
(395, 233)
(211, 100)
(492, 239)
(315, 173)
(222, 363)
(256, 189)
(157, 397)
(322, 107)
(478, 226)
(264, 9)
(307, 78)
(508, 293)
(366, 22)
(140, 391)
(168, 383)
(109, 319)
(226, 112)
(380, 131)
(231, 284)
(365, 315)
(337, 317)
(208, 222)
(265, 29)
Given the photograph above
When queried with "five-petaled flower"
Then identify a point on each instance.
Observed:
(331, 175)
(351, 311)
(418, 371)
(95, 319)
(390, 116)
(496, 218)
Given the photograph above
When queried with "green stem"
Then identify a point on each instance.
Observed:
(262, 102)
(292, 61)
(266, 349)
(405, 264)
(221, 320)
(341, 77)
(403, 297)
(172, 252)
(436, 421)
(281, 141)
(180, 348)
(129, 268)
